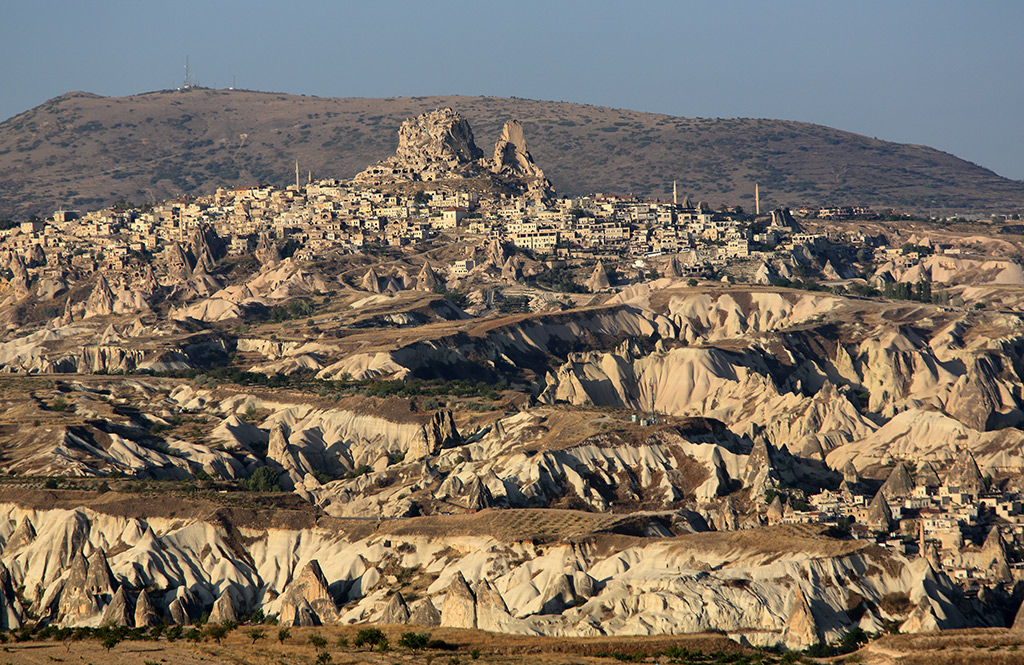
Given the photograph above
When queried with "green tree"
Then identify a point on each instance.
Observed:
(414, 640)
(264, 479)
(216, 632)
(111, 640)
(318, 641)
(283, 634)
(256, 634)
(369, 637)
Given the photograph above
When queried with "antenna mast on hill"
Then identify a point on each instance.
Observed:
(188, 74)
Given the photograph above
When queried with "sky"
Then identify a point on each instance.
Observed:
(945, 74)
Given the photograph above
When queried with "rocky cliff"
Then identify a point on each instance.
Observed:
(83, 567)
(439, 145)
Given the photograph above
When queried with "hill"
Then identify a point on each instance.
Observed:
(86, 151)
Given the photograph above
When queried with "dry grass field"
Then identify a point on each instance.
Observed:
(462, 647)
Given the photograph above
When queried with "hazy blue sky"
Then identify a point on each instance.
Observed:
(945, 74)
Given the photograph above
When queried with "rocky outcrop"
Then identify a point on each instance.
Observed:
(120, 611)
(511, 158)
(491, 612)
(439, 145)
(101, 301)
(146, 614)
(510, 153)
(24, 534)
(558, 595)
(424, 613)
(975, 399)
(223, 609)
(965, 476)
(179, 267)
(879, 517)
(436, 144)
(290, 459)
(86, 591)
(396, 611)
(266, 251)
(459, 607)
(11, 611)
(898, 484)
(20, 277)
(776, 510)
(926, 476)
(307, 600)
(801, 629)
(440, 432)
(760, 473)
(184, 608)
(370, 282)
(598, 280)
(993, 557)
(427, 279)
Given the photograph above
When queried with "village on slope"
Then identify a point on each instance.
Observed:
(837, 403)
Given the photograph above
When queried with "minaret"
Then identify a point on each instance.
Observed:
(296, 174)
(757, 200)
(675, 194)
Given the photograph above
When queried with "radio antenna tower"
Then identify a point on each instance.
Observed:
(188, 74)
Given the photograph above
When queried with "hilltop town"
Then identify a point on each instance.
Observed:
(635, 238)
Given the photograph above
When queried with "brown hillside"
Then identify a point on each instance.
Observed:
(86, 151)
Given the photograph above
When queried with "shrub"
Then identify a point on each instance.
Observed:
(369, 637)
(414, 640)
(216, 632)
(283, 634)
(318, 641)
(264, 479)
(111, 641)
(896, 603)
